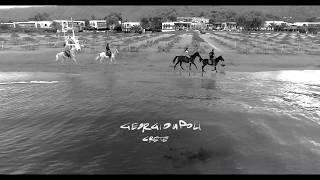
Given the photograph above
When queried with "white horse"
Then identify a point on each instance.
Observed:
(101, 56)
(61, 55)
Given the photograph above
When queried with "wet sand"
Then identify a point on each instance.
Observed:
(44, 61)
(252, 122)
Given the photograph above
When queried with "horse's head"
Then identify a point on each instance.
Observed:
(220, 58)
(116, 51)
(77, 47)
(196, 54)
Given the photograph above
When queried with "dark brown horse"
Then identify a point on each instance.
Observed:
(185, 59)
(216, 61)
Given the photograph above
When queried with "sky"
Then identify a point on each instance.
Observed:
(9, 7)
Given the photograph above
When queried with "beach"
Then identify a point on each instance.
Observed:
(255, 115)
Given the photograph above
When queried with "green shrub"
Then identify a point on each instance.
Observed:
(137, 29)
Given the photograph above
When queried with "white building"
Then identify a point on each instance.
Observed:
(44, 24)
(200, 20)
(313, 23)
(209, 26)
(268, 24)
(305, 23)
(64, 24)
(278, 23)
(183, 25)
(27, 24)
(229, 26)
(186, 23)
(67, 24)
(98, 24)
(193, 19)
(79, 23)
(11, 25)
(126, 26)
(33, 24)
(168, 26)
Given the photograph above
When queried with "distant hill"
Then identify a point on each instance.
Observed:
(134, 13)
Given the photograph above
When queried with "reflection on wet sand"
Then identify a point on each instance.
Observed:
(264, 122)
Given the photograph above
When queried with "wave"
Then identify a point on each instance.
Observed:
(29, 82)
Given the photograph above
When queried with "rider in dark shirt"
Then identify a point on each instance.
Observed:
(108, 51)
(67, 50)
(211, 56)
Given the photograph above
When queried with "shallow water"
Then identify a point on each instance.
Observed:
(263, 122)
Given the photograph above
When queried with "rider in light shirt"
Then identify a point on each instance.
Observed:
(186, 52)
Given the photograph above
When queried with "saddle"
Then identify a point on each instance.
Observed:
(67, 53)
(211, 59)
(108, 53)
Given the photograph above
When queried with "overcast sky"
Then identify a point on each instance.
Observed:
(8, 7)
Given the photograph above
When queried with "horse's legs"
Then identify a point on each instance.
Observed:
(203, 67)
(98, 57)
(62, 59)
(57, 57)
(106, 59)
(74, 59)
(195, 65)
(181, 65)
(202, 70)
(115, 60)
(101, 59)
(174, 67)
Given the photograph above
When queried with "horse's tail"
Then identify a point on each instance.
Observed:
(174, 59)
(57, 56)
(97, 57)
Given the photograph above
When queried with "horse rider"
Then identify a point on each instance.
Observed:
(186, 52)
(108, 51)
(211, 55)
(70, 41)
(67, 50)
